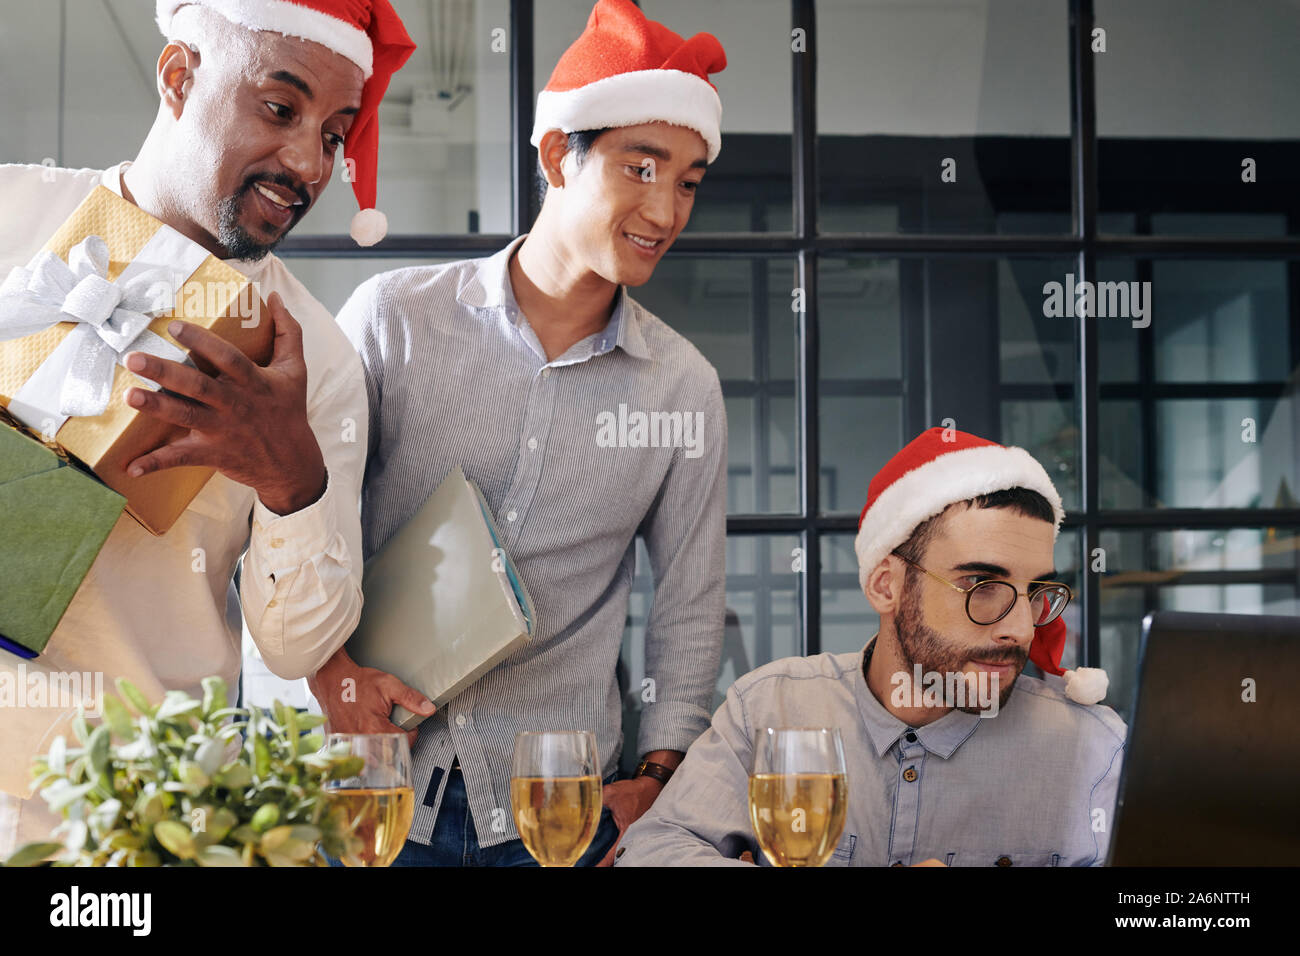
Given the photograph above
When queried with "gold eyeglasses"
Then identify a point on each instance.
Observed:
(990, 601)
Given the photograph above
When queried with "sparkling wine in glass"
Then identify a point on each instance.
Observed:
(379, 802)
(556, 794)
(798, 794)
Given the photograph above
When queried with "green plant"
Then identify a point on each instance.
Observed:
(191, 783)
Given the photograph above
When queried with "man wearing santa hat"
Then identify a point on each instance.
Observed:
(507, 366)
(256, 99)
(955, 554)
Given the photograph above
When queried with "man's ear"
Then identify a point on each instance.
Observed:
(551, 152)
(884, 588)
(176, 66)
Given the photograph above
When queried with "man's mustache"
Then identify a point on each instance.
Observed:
(279, 179)
(1014, 655)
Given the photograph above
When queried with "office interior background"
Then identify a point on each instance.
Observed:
(1174, 446)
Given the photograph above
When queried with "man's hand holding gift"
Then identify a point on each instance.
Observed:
(246, 421)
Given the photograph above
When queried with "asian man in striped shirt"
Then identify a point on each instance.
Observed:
(536, 371)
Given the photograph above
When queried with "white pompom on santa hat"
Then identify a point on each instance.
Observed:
(367, 32)
(625, 70)
(941, 467)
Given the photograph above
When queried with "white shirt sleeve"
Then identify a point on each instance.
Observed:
(301, 580)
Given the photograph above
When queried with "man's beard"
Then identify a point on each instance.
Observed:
(234, 238)
(924, 646)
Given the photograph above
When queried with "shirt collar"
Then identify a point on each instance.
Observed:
(487, 286)
(941, 737)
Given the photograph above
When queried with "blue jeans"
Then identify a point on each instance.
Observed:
(454, 842)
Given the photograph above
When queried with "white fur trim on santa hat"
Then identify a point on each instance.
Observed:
(1086, 685)
(925, 491)
(291, 19)
(629, 99)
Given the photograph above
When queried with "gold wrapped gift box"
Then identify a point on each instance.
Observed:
(215, 296)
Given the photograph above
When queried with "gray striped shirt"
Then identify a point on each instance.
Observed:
(572, 472)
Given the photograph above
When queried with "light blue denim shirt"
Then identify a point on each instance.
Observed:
(1033, 786)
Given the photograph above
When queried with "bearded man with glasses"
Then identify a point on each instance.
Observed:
(955, 553)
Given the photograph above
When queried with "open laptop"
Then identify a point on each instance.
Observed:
(1210, 779)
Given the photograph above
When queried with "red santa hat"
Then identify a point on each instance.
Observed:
(367, 32)
(943, 466)
(625, 70)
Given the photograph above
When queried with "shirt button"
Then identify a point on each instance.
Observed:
(277, 542)
(511, 516)
(1004, 861)
(909, 774)
(272, 603)
(532, 444)
(460, 720)
(911, 737)
(546, 373)
(619, 852)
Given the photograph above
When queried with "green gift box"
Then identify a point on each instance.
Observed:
(54, 518)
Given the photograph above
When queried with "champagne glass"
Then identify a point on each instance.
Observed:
(379, 803)
(798, 794)
(556, 794)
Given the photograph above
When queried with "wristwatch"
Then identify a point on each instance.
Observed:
(657, 770)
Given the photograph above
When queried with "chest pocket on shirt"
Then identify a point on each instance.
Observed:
(843, 855)
(1008, 858)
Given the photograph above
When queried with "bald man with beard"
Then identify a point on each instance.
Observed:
(251, 119)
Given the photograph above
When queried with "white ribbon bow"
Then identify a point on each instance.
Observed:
(112, 319)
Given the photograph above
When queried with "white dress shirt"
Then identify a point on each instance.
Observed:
(162, 611)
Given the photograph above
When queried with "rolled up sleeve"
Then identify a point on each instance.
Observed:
(701, 818)
(301, 583)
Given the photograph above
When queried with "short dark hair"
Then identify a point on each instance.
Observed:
(580, 143)
(1022, 501)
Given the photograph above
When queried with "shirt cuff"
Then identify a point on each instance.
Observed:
(285, 542)
(670, 725)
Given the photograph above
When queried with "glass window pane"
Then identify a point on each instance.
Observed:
(29, 61)
(999, 365)
(1203, 461)
(1119, 444)
(1208, 379)
(1122, 610)
(859, 319)
(948, 117)
(1036, 347)
(848, 619)
(1231, 570)
(859, 434)
(1188, 91)
(1117, 340)
(762, 621)
(860, 409)
(1047, 430)
(1066, 557)
(736, 311)
(1221, 321)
